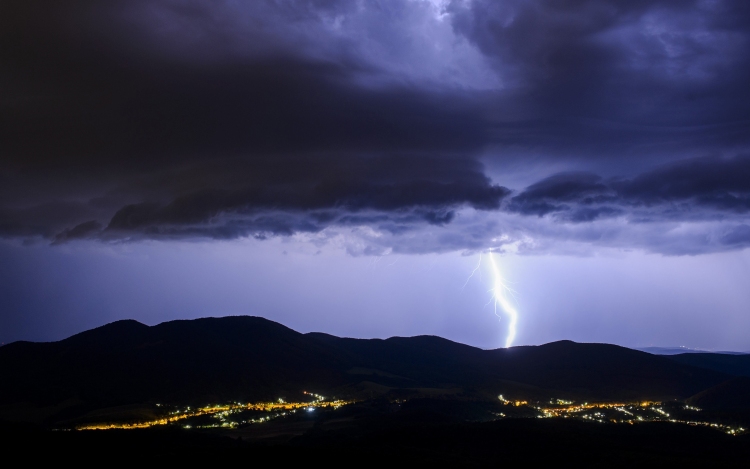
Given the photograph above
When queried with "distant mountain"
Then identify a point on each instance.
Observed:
(737, 365)
(683, 350)
(668, 350)
(250, 358)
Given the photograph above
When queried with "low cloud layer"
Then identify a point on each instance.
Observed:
(420, 205)
(695, 189)
(390, 193)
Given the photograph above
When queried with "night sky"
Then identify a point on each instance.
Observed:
(342, 166)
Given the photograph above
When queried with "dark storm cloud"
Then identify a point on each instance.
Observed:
(222, 119)
(196, 137)
(137, 84)
(579, 57)
(291, 195)
(737, 237)
(691, 189)
(719, 184)
(43, 219)
(275, 196)
(556, 194)
(618, 79)
(100, 102)
(80, 231)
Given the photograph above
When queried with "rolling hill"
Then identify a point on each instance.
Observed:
(251, 358)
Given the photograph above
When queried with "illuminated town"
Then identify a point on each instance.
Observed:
(222, 414)
(627, 413)
(237, 414)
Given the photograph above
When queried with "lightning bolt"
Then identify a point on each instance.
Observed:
(499, 291)
(479, 264)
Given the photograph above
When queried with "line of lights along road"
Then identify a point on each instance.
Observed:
(222, 411)
(602, 412)
(629, 413)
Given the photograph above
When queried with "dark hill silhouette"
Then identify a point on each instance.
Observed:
(595, 370)
(250, 358)
(212, 358)
(734, 364)
(731, 395)
(565, 368)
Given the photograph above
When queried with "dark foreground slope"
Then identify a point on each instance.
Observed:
(398, 439)
(732, 395)
(250, 358)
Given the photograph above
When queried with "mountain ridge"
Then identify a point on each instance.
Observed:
(252, 358)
